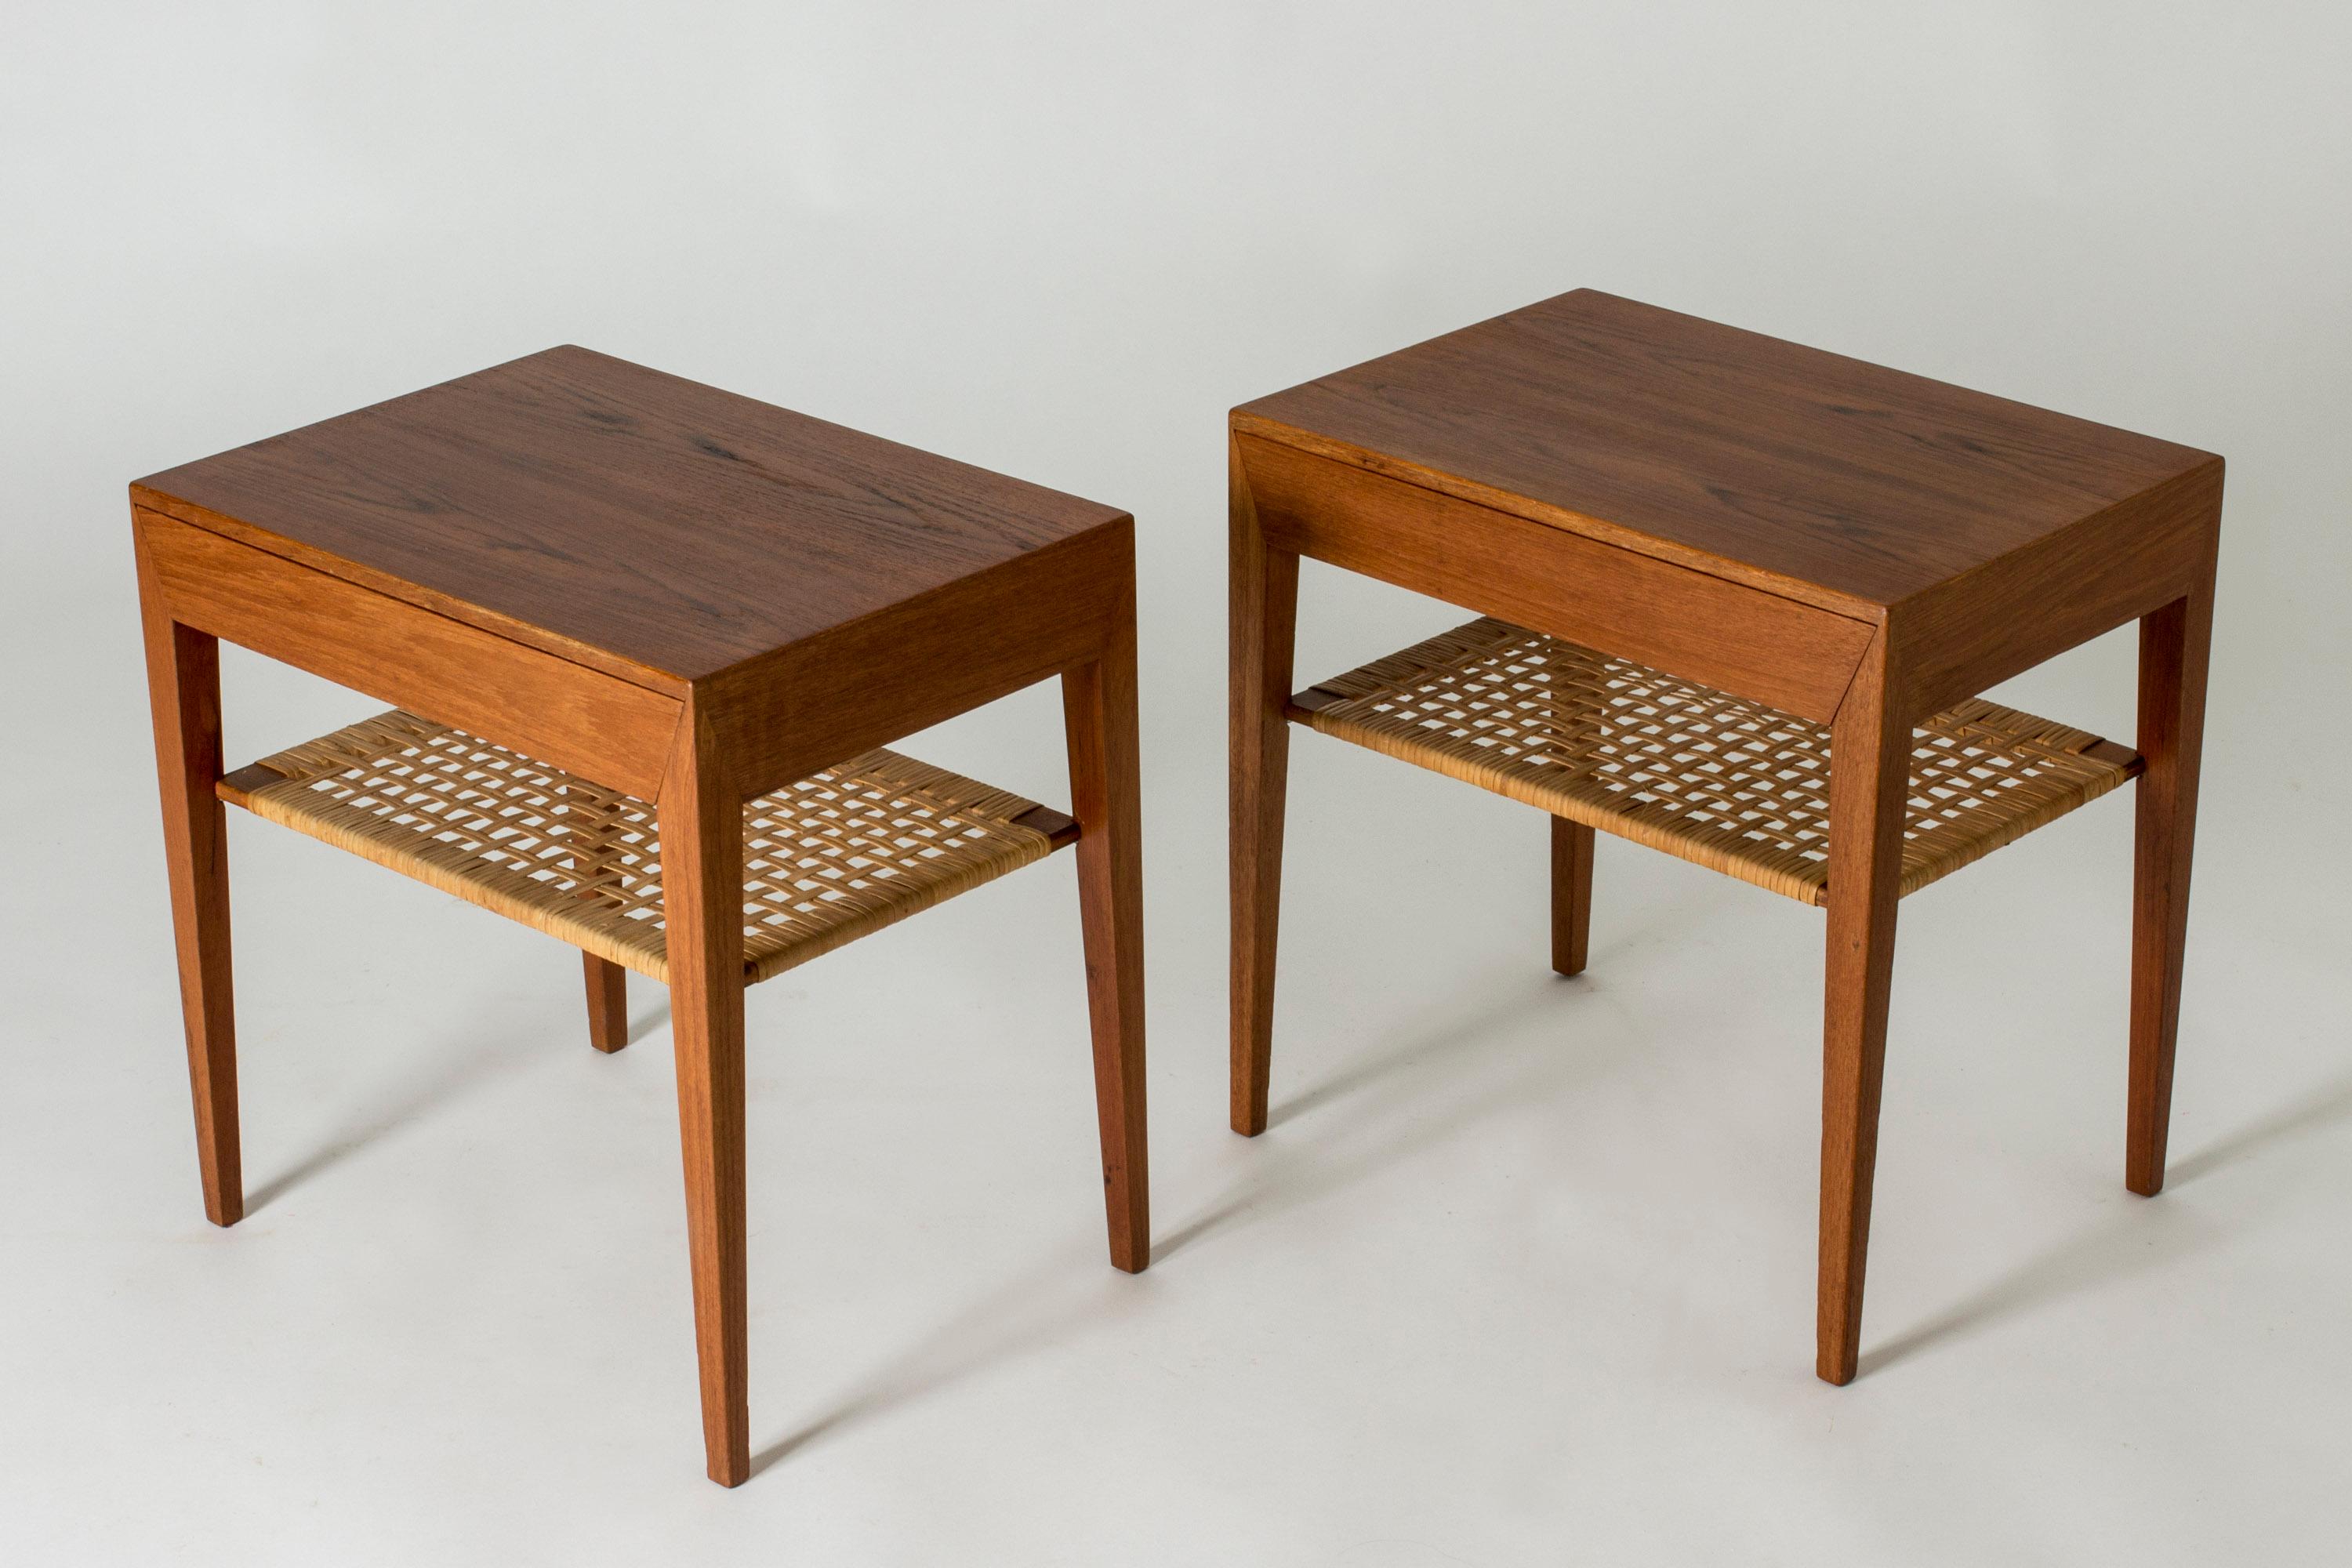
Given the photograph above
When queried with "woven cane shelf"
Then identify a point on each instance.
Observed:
(854, 849)
(1695, 772)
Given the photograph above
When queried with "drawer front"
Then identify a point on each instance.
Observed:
(583, 721)
(882, 677)
(1741, 639)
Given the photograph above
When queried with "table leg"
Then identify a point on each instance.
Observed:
(1571, 894)
(702, 893)
(183, 690)
(1870, 758)
(589, 822)
(1262, 626)
(1099, 705)
(2174, 643)
(608, 1002)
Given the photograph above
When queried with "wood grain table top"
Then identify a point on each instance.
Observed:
(1822, 478)
(650, 526)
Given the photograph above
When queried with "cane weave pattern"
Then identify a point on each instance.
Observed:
(1696, 772)
(826, 861)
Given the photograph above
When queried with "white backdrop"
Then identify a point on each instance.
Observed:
(1523, 1271)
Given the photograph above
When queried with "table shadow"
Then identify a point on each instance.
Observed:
(459, 1073)
(1060, 1297)
(2143, 1238)
(1413, 1073)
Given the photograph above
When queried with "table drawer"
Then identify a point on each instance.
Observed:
(1741, 639)
(583, 721)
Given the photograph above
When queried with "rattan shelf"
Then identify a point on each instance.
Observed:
(826, 861)
(1696, 772)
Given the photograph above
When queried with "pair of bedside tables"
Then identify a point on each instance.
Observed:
(647, 642)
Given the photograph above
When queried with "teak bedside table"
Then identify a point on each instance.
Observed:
(1742, 597)
(646, 639)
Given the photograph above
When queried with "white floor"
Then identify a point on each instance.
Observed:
(1522, 1271)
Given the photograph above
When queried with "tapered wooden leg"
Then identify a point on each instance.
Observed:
(184, 690)
(1869, 778)
(608, 1002)
(702, 892)
(1262, 627)
(591, 819)
(2173, 645)
(1571, 894)
(1099, 705)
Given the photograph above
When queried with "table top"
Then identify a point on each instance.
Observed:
(625, 516)
(1824, 477)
